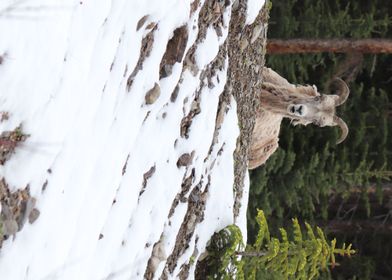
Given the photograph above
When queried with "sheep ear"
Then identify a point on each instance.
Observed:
(316, 91)
(297, 122)
(307, 90)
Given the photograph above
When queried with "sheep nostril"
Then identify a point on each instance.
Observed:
(292, 110)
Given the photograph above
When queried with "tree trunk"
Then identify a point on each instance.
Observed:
(251, 254)
(275, 46)
(356, 227)
(353, 205)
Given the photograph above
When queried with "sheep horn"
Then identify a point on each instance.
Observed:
(342, 91)
(343, 126)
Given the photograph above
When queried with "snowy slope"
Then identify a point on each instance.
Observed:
(107, 158)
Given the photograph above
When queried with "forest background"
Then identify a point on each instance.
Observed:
(346, 189)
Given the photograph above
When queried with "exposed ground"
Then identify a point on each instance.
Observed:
(244, 81)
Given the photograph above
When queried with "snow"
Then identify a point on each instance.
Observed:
(253, 8)
(211, 43)
(241, 220)
(64, 78)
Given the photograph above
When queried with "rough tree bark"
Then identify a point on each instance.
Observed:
(279, 46)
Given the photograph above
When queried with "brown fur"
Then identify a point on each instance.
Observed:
(276, 95)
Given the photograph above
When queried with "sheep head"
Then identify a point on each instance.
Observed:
(321, 109)
(305, 105)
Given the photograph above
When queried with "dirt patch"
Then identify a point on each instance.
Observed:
(186, 121)
(124, 169)
(185, 187)
(210, 71)
(175, 50)
(212, 14)
(145, 51)
(16, 209)
(157, 256)
(244, 81)
(9, 140)
(184, 272)
(174, 95)
(146, 176)
(194, 215)
(4, 116)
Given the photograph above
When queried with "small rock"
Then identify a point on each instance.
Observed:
(217, 8)
(195, 197)
(157, 256)
(236, 5)
(124, 169)
(151, 25)
(100, 236)
(146, 117)
(33, 216)
(175, 51)
(125, 71)
(10, 227)
(149, 173)
(174, 94)
(4, 116)
(9, 140)
(221, 114)
(256, 33)
(5, 209)
(141, 22)
(195, 107)
(244, 44)
(184, 160)
(153, 94)
(166, 70)
(44, 186)
(219, 31)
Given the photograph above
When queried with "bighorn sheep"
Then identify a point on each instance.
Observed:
(302, 104)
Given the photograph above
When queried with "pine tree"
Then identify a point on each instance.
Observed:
(298, 256)
(320, 169)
